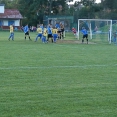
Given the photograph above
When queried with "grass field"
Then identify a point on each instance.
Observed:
(57, 79)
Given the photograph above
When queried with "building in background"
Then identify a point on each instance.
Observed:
(10, 16)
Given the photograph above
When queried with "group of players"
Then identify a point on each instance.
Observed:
(44, 33)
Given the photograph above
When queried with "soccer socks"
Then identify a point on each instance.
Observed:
(29, 38)
(43, 39)
(60, 35)
(47, 39)
(52, 40)
(87, 41)
(11, 36)
(55, 40)
(83, 40)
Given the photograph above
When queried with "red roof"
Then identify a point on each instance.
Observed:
(11, 14)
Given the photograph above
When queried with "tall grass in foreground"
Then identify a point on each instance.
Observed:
(56, 80)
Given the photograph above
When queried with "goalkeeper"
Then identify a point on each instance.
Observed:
(85, 34)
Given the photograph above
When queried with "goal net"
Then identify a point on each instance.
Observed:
(99, 30)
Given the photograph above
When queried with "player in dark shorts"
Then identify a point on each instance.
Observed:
(57, 26)
(49, 30)
(26, 31)
(62, 30)
(85, 34)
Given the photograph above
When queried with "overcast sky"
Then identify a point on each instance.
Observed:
(97, 1)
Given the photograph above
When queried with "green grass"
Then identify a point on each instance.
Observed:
(57, 80)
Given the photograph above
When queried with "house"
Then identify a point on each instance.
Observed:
(10, 16)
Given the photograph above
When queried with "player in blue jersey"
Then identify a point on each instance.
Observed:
(26, 31)
(49, 30)
(85, 34)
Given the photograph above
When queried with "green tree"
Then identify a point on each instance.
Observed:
(109, 9)
(31, 10)
(110, 4)
(34, 10)
(88, 11)
(10, 4)
(88, 2)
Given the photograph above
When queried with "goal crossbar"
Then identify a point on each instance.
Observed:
(110, 28)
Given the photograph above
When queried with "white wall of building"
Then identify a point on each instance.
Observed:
(17, 23)
(1, 8)
(5, 22)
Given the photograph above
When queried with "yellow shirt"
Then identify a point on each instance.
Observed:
(11, 28)
(54, 31)
(45, 32)
(39, 30)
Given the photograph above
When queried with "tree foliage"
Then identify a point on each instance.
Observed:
(110, 4)
(10, 4)
(34, 10)
(88, 2)
(109, 9)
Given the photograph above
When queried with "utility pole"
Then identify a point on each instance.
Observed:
(50, 6)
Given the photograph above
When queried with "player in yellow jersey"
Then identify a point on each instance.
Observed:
(11, 33)
(55, 34)
(45, 34)
(39, 30)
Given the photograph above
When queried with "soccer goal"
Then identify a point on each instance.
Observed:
(99, 30)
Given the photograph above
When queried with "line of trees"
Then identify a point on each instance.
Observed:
(34, 10)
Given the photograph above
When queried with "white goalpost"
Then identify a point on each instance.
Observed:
(99, 30)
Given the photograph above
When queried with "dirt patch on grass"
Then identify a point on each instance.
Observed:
(73, 42)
